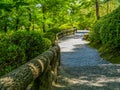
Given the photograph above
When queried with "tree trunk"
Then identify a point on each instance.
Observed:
(33, 27)
(107, 7)
(30, 19)
(5, 24)
(5, 27)
(97, 10)
(17, 23)
(43, 25)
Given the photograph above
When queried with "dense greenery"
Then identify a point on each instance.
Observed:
(106, 33)
(28, 27)
(106, 30)
(51, 34)
(19, 47)
(47, 14)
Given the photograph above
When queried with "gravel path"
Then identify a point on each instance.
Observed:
(83, 69)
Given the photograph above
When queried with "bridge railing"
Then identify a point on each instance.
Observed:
(37, 74)
(65, 33)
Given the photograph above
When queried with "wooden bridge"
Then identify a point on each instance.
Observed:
(41, 73)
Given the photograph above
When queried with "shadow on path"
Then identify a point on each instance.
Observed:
(102, 77)
(82, 68)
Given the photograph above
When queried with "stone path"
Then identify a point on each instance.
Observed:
(83, 69)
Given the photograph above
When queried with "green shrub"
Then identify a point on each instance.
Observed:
(11, 53)
(47, 43)
(11, 56)
(32, 42)
(66, 26)
(16, 48)
(51, 34)
(55, 30)
(107, 30)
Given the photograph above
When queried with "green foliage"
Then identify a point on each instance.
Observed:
(66, 26)
(51, 34)
(84, 25)
(34, 14)
(6, 7)
(47, 43)
(46, 14)
(31, 41)
(107, 30)
(18, 47)
(11, 53)
(54, 30)
(105, 36)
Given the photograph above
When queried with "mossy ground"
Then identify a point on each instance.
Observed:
(114, 59)
(108, 54)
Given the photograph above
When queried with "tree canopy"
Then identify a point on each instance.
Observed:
(32, 24)
(47, 14)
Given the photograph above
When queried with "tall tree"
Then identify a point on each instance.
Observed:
(97, 9)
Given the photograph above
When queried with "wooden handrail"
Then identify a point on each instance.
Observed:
(41, 70)
(39, 73)
(65, 33)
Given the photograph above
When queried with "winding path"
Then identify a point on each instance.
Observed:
(83, 69)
